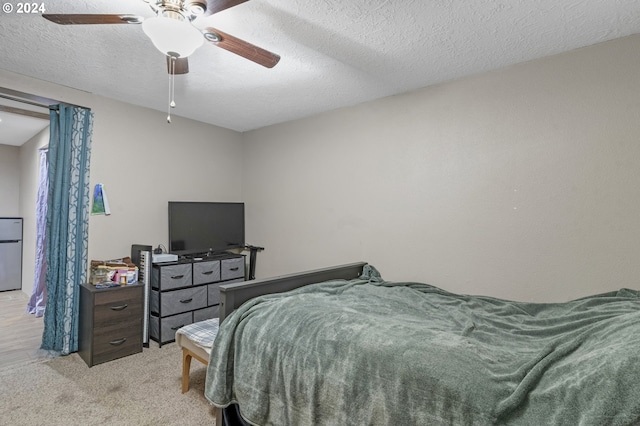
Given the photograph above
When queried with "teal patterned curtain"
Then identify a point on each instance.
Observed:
(67, 224)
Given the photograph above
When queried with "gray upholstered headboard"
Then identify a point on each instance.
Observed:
(234, 295)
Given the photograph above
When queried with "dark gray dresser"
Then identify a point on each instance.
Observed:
(110, 322)
(185, 292)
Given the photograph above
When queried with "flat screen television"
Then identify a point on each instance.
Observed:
(205, 227)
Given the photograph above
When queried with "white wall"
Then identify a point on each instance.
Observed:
(143, 163)
(9, 181)
(521, 183)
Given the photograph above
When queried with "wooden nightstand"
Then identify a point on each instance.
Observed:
(110, 323)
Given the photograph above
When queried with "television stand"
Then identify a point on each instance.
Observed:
(204, 255)
(253, 254)
(216, 253)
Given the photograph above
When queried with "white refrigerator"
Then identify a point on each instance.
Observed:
(10, 253)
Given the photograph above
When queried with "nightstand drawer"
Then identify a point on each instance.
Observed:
(206, 272)
(174, 276)
(123, 310)
(232, 268)
(112, 343)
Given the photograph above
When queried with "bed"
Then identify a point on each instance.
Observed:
(196, 340)
(342, 346)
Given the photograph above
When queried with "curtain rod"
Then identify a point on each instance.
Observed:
(24, 101)
(38, 101)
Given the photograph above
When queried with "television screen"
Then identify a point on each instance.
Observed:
(199, 227)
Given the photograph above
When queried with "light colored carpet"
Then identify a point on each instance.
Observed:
(141, 389)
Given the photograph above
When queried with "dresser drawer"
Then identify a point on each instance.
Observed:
(232, 268)
(213, 291)
(183, 293)
(206, 313)
(164, 329)
(174, 276)
(206, 272)
(213, 294)
(175, 302)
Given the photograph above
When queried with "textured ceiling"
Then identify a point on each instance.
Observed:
(334, 53)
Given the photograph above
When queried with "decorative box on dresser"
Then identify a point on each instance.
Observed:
(187, 291)
(110, 322)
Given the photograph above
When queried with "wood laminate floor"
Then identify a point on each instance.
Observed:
(20, 333)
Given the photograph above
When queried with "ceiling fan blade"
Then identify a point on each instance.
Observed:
(80, 19)
(242, 48)
(215, 6)
(181, 65)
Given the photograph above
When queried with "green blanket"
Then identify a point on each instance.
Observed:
(371, 352)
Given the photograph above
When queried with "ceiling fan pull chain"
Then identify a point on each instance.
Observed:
(172, 76)
(173, 81)
(169, 106)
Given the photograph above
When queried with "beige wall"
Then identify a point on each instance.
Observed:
(9, 181)
(521, 183)
(143, 163)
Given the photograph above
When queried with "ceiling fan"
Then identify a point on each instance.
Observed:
(173, 34)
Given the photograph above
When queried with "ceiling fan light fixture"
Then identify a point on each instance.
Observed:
(211, 36)
(172, 35)
(195, 8)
